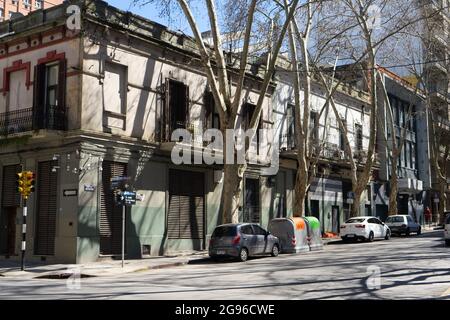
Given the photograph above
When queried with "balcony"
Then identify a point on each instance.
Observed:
(413, 186)
(439, 96)
(25, 120)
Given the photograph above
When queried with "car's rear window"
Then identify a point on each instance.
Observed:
(356, 220)
(225, 231)
(394, 219)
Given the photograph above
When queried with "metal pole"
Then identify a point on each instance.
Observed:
(123, 233)
(24, 236)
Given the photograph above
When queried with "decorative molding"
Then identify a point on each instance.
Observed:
(52, 56)
(17, 66)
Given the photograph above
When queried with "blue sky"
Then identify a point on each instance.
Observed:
(151, 12)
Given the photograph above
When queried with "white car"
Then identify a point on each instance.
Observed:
(447, 229)
(365, 228)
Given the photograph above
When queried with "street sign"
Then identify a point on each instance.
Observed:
(70, 193)
(129, 198)
(350, 201)
(350, 195)
(436, 200)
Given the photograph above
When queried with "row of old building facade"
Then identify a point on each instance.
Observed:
(79, 107)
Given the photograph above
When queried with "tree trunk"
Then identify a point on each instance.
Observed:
(301, 185)
(231, 193)
(356, 206)
(442, 202)
(393, 208)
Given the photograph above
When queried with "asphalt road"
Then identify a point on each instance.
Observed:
(417, 267)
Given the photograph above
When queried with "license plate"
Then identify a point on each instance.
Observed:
(220, 252)
(351, 236)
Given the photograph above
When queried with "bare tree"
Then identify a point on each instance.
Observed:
(217, 72)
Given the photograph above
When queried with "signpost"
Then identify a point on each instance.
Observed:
(124, 198)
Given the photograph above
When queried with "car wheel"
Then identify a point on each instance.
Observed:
(275, 250)
(408, 232)
(447, 243)
(371, 237)
(419, 231)
(388, 235)
(243, 255)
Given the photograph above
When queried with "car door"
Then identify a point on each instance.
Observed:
(381, 228)
(374, 227)
(261, 239)
(413, 227)
(249, 239)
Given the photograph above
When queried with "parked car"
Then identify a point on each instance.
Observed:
(447, 229)
(403, 224)
(242, 241)
(364, 228)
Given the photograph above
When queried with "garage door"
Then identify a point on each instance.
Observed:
(186, 205)
(110, 214)
(46, 208)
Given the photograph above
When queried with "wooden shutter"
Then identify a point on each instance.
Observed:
(110, 214)
(39, 97)
(62, 84)
(186, 205)
(10, 194)
(166, 112)
(46, 208)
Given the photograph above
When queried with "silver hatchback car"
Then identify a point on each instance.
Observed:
(242, 241)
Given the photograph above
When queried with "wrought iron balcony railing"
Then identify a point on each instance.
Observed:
(16, 121)
(24, 120)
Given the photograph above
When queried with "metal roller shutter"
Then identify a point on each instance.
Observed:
(186, 205)
(110, 214)
(46, 208)
(10, 195)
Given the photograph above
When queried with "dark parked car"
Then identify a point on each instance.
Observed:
(403, 224)
(242, 241)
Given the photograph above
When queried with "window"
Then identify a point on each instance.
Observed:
(49, 98)
(409, 219)
(290, 122)
(258, 230)
(114, 86)
(247, 229)
(38, 4)
(359, 137)
(342, 135)
(224, 231)
(212, 119)
(248, 110)
(314, 125)
(408, 160)
(356, 220)
(394, 219)
(178, 104)
(413, 156)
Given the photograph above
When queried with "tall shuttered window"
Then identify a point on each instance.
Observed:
(47, 193)
(186, 205)
(110, 214)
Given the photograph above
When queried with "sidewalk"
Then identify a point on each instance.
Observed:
(95, 269)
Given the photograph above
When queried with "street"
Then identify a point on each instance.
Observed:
(417, 267)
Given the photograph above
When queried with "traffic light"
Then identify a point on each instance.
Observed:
(20, 182)
(25, 183)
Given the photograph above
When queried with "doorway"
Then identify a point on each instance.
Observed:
(315, 209)
(251, 201)
(335, 219)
